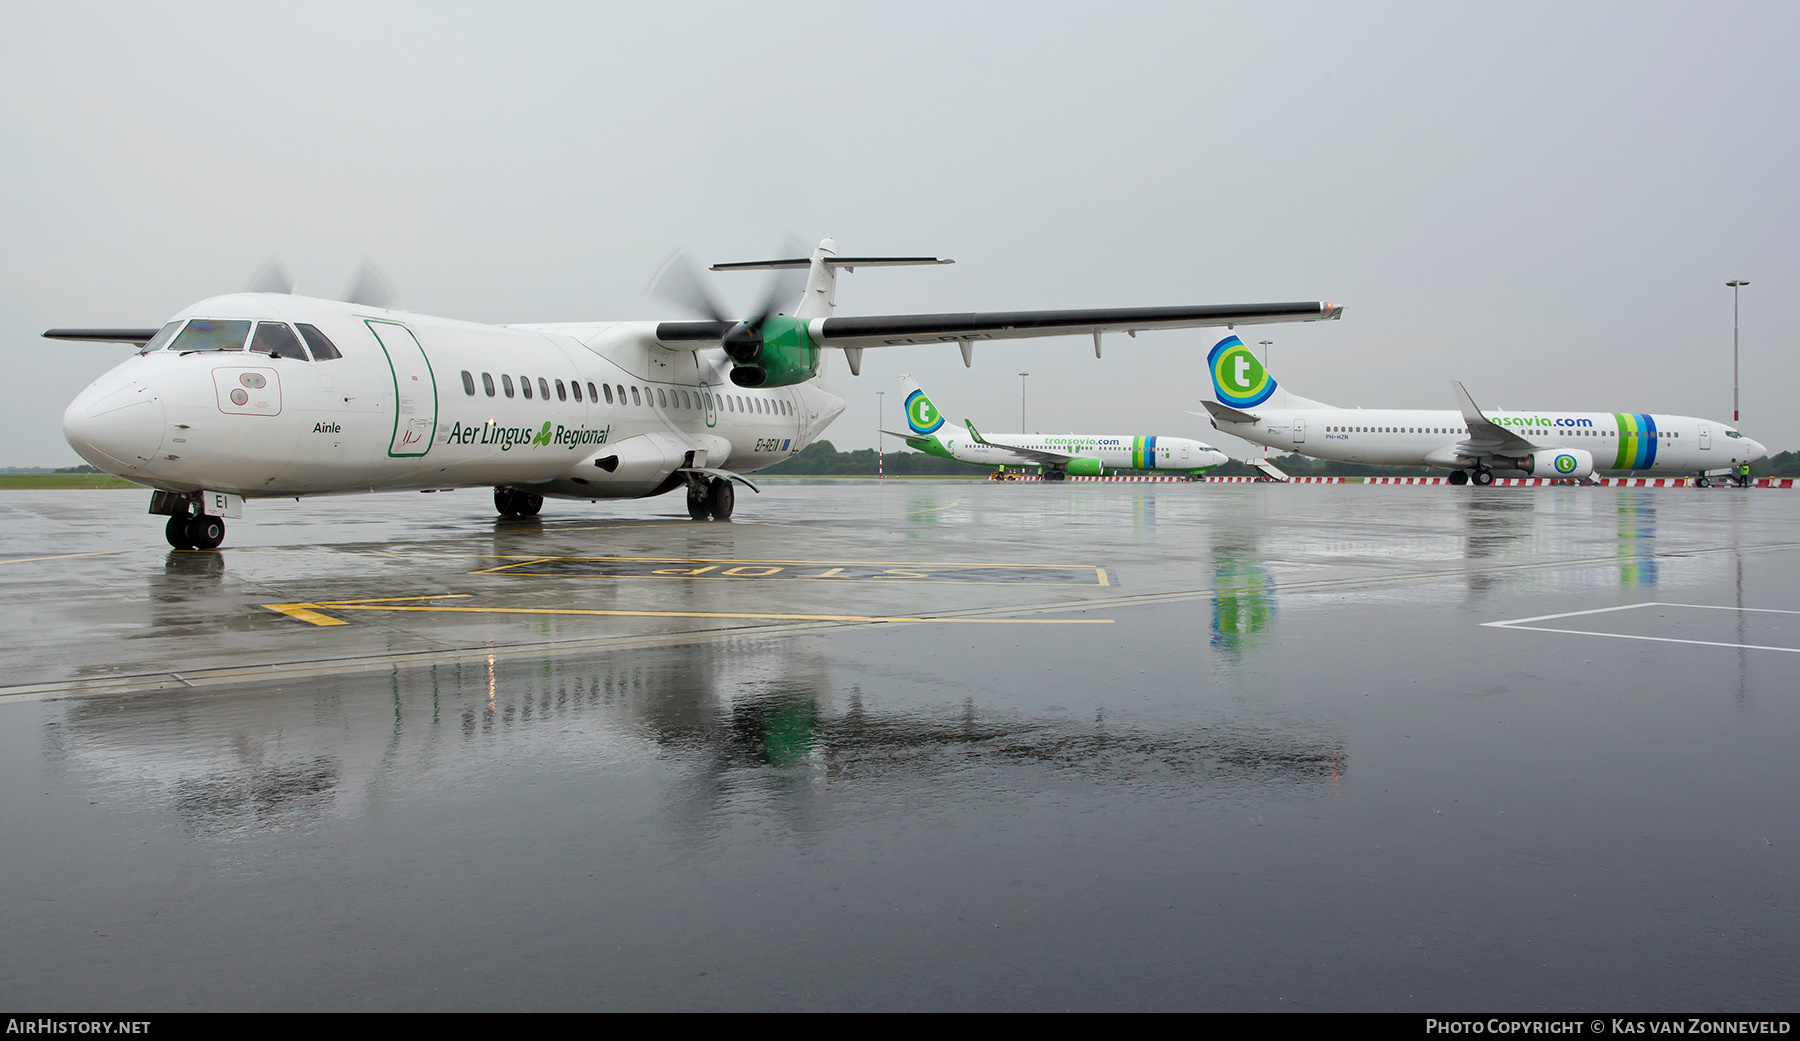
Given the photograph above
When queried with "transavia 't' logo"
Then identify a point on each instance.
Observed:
(1565, 464)
(1238, 378)
(921, 414)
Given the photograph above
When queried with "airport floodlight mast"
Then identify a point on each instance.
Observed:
(880, 438)
(1022, 376)
(1735, 284)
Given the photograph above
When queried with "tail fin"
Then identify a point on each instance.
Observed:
(1240, 380)
(922, 417)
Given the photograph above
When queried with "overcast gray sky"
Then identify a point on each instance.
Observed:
(1541, 200)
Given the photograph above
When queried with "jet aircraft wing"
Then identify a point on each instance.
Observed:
(903, 329)
(1485, 436)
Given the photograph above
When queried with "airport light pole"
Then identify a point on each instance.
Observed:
(1735, 284)
(1266, 344)
(1022, 376)
(880, 437)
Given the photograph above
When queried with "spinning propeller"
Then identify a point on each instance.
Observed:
(678, 281)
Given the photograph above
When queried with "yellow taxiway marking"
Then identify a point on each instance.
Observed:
(311, 613)
(758, 562)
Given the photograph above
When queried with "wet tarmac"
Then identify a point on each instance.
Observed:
(908, 745)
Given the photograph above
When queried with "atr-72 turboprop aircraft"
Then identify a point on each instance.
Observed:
(270, 394)
(1470, 443)
(1084, 455)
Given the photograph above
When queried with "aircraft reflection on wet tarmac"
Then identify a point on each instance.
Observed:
(742, 715)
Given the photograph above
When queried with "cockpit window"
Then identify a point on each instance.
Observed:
(1728, 433)
(322, 349)
(207, 334)
(278, 341)
(161, 339)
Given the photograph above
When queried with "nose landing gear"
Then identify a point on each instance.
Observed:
(198, 531)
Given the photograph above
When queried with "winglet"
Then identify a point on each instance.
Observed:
(976, 434)
(1470, 410)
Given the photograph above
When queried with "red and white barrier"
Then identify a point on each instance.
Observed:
(1610, 482)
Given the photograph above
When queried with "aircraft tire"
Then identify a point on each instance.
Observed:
(699, 505)
(529, 503)
(1459, 477)
(176, 532)
(205, 531)
(506, 502)
(1703, 481)
(720, 499)
(1483, 477)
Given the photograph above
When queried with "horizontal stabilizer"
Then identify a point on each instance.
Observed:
(137, 336)
(1226, 414)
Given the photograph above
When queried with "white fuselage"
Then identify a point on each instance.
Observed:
(422, 402)
(1624, 441)
(1112, 451)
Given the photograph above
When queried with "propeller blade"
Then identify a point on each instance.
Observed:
(272, 277)
(678, 282)
(371, 288)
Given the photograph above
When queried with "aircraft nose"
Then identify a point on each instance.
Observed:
(1757, 451)
(116, 424)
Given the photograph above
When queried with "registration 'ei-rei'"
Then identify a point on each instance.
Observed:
(271, 394)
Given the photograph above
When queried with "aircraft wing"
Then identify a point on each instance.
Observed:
(1485, 436)
(899, 330)
(902, 329)
(136, 336)
(1036, 455)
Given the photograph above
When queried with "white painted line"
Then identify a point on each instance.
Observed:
(1519, 624)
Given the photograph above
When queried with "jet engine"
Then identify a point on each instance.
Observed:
(1086, 468)
(1558, 462)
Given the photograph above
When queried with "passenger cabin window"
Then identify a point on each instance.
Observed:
(276, 340)
(322, 348)
(468, 383)
(662, 399)
(487, 383)
(609, 397)
(506, 384)
(562, 392)
(206, 334)
(544, 387)
(525, 386)
(161, 339)
(592, 396)
(634, 397)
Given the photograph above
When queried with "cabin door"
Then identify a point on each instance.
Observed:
(1705, 438)
(1299, 430)
(415, 391)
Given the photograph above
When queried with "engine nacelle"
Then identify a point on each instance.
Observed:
(1559, 462)
(1086, 468)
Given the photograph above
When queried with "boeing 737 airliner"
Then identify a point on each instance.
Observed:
(1470, 443)
(1084, 455)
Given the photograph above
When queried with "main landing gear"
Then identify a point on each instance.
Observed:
(511, 502)
(1481, 476)
(1459, 477)
(710, 498)
(198, 531)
